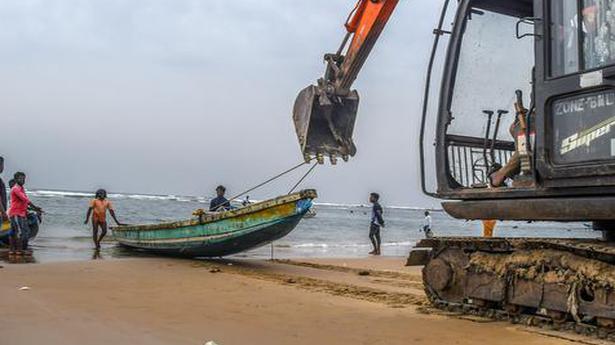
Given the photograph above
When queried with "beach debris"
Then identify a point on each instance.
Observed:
(24, 288)
(290, 281)
(230, 264)
(214, 270)
(211, 342)
(363, 273)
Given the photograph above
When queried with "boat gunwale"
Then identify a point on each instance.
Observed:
(214, 217)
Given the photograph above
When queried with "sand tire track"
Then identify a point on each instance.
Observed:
(389, 298)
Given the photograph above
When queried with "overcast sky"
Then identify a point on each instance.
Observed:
(177, 96)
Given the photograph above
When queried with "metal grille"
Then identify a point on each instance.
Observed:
(466, 159)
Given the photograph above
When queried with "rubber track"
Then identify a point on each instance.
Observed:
(591, 249)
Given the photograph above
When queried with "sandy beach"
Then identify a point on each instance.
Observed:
(172, 301)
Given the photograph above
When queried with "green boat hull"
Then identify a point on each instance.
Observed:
(221, 234)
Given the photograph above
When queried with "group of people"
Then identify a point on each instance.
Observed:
(14, 209)
(100, 206)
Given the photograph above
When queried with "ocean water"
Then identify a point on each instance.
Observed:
(336, 231)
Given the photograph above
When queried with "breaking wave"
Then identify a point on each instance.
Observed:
(71, 194)
(187, 198)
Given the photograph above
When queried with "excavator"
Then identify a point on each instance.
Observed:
(542, 70)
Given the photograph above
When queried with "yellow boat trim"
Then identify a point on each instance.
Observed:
(212, 217)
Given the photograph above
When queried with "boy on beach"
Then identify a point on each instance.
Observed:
(427, 225)
(376, 222)
(18, 213)
(98, 209)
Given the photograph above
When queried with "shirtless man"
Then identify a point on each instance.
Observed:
(98, 209)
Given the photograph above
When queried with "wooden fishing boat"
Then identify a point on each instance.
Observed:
(222, 233)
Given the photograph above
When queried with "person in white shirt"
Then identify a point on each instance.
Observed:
(427, 225)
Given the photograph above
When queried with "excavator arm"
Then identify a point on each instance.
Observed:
(325, 113)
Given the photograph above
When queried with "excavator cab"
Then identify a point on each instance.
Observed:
(527, 100)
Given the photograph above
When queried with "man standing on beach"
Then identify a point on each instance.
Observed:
(18, 212)
(427, 225)
(376, 223)
(3, 199)
(98, 210)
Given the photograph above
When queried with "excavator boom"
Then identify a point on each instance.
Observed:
(325, 113)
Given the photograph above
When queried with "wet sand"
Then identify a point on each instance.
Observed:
(169, 301)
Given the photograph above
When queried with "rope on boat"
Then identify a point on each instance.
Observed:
(303, 178)
(277, 177)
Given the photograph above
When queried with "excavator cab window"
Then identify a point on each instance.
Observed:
(492, 64)
(578, 95)
(582, 37)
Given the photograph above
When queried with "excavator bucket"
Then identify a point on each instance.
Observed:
(325, 124)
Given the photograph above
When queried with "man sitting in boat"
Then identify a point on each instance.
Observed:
(219, 203)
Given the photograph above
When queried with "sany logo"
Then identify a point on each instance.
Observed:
(586, 137)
